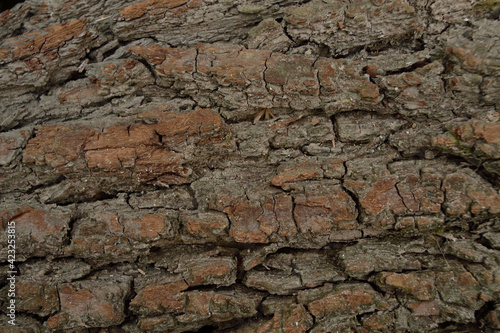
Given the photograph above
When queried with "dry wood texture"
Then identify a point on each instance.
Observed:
(251, 166)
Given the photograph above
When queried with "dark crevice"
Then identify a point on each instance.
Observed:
(109, 49)
(295, 43)
(131, 294)
(365, 280)
(335, 247)
(354, 197)
(75, 216)
(210, 287)
(474, 164)
(8, 4)
(155, 249)
(336, 131)
(406, 41)
(75, 75)
(70, 200)
(410, 68)
(35, 316)
(149, 67)
(486, 243)
(324, 51)
(260, 307)
(348, 53)
(192, 193)
(484, 311)
(240, 271)
(489, 177)
(205, 329)
(51, 182)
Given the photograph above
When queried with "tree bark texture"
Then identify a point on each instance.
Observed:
(148, 196)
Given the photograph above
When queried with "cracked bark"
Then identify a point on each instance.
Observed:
(147, 199)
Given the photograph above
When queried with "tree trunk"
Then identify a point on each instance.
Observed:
(250, 166)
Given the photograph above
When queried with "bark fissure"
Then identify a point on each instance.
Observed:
(146, 200)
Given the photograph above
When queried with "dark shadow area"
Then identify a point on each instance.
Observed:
(205, 329)
(8, 4)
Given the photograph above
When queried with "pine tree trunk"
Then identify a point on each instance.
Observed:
(250, 166)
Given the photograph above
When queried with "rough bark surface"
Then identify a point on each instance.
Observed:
(149, 197)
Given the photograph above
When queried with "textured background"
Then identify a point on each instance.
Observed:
(148, 198)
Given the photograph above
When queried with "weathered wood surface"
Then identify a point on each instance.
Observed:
(147, 199)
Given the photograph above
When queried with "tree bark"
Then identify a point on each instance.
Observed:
(250, 166)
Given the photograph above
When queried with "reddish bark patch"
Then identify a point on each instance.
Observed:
(50, 39)
(300, 172)
(140, 8)
(157, 299)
